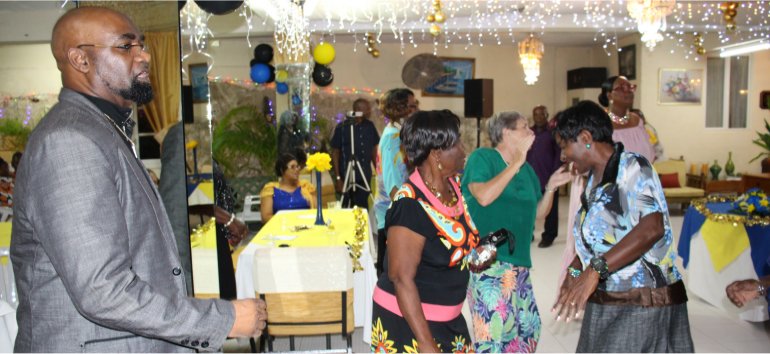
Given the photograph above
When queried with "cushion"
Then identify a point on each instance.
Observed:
(669, 180)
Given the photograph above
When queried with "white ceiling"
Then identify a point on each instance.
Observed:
(557, 22)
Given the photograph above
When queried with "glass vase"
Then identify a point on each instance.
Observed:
(319, 216)
(715, 169)
(729, 165)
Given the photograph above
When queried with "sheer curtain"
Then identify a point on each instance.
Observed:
(715, 76)
(164, 75)
(739, 87)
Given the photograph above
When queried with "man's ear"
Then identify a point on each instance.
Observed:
(79, 60)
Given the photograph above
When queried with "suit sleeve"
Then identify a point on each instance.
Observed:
(82, 227)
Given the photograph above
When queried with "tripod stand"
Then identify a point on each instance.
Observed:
(350, 185)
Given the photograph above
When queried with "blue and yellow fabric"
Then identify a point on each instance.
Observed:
(725, 239)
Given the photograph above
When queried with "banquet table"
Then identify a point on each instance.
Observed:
(201, 193)
(716, 253)
(280, 230)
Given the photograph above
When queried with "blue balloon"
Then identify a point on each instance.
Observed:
(295, 100)
(282, 88)
(260, 73)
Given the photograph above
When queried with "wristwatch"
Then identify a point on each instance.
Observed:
(599, 264)
(761, 289)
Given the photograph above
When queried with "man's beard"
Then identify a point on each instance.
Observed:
(139, 92)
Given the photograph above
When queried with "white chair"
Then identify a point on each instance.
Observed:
(8, 327)
(7, 281)
(251, 211)
(308, 291)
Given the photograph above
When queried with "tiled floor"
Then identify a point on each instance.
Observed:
(712, 329)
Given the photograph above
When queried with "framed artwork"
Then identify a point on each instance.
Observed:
(452, 83)
(680, 86)
(199, 80)
(627, 62)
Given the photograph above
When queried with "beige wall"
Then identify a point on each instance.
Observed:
(28, 68)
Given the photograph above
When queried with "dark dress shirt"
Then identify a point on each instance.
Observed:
(545, 155)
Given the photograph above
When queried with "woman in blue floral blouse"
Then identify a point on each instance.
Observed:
(623, 279)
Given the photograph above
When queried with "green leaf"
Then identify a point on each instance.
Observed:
(496, 326)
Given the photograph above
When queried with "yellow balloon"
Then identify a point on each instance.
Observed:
(323, 53)
(701, 50)
(281, 76)
(430, 18)
(435, 30)
(439, 16)
(375, 53)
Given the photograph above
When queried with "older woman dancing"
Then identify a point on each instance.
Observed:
(623, 278)
(419, 296)
(503, 191)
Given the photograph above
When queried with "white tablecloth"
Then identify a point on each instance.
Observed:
(363, 286)
(709, 285)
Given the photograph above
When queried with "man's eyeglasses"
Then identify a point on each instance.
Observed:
(134, 49)
(626, 88)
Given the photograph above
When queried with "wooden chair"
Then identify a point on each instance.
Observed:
(308, 291)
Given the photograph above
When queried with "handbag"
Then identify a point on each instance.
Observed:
(481, 257)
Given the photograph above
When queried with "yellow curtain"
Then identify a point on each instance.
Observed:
(165, 77)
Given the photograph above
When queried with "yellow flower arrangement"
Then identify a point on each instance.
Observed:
(192, 144)
(319, 161)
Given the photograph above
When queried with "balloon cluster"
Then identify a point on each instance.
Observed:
(323, 54)
(216, 7)
(261, 70)
(698, 43)
(435, 17)
(729, 11)
(370, 48)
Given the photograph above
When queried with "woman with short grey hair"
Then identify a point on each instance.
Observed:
(502, 191)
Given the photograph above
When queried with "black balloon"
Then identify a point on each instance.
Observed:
(322, 75)
(263, 53)
(272, 73)
(218, 7)
(253, 61)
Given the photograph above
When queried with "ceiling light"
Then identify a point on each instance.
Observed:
(530, 52)
(650, 16)
(743, 48)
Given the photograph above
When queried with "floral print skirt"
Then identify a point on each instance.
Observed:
(391, 334)
(505, 315)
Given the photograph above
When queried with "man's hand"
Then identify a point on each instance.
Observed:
(742, 291)
(238, 231)
(250, 318)
(338, 186)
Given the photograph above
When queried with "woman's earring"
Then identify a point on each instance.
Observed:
(588, 146)
(440, 168)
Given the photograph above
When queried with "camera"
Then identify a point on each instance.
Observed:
(354, 114)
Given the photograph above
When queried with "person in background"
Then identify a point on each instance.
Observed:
(6, 191)
(740, 292)
(229, 229)
(653, 133)
(397, 105)
(544, 157)
(290, 135)
(93, 252)
(289, 192)
(503, 191)
(366, 139)
(623, 280)
(419, 297)
(627, 127)
(15, 162)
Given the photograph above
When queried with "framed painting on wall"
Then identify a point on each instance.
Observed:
(452, 82)
(199, 80)
(680, 86)
(627, 62)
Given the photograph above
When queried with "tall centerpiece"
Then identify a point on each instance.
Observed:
(319, 162)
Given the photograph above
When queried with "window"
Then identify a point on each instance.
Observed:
(727, 83)
(147, 147)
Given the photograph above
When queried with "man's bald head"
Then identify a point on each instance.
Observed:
(101, 53)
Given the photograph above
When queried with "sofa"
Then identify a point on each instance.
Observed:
(679, 187)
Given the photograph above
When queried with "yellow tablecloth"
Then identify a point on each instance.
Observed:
(282, 229)
(202, 195)
(5, 234)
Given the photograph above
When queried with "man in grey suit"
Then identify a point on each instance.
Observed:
(96, 264)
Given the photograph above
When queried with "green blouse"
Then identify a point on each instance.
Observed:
(514, 209)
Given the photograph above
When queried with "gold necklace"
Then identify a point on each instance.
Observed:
(435, 192)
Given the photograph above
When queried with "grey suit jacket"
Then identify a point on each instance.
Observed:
(95, 260)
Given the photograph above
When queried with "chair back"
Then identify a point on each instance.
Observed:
(7, 280)
(308, 290)
(251, 211)
(673, 166)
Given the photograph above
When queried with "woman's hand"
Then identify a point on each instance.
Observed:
(742, 291)
(574, 295)
(523, 144)
(238, 231)
(427, 346)
(559, 178)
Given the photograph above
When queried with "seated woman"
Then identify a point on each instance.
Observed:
(289, 192)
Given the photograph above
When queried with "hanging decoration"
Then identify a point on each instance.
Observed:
(435, 17)
(531, 51)
(262, 72)
(729, 11)
(218, 7)
(292, 35)
(324, 53)
(370, 47)
(650, 16)
(194, 22)
(698, 44)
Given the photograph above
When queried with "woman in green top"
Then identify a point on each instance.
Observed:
(503, 191)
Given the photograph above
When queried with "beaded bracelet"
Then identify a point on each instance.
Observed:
(573, 272)
(761, 289)
(230, 222)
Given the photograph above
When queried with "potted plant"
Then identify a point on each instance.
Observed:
(14, 134)
(244, 143)
(763, 141)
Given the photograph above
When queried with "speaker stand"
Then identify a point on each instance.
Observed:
(478, 132)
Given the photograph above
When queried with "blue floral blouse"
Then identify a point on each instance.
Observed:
(630, 189)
